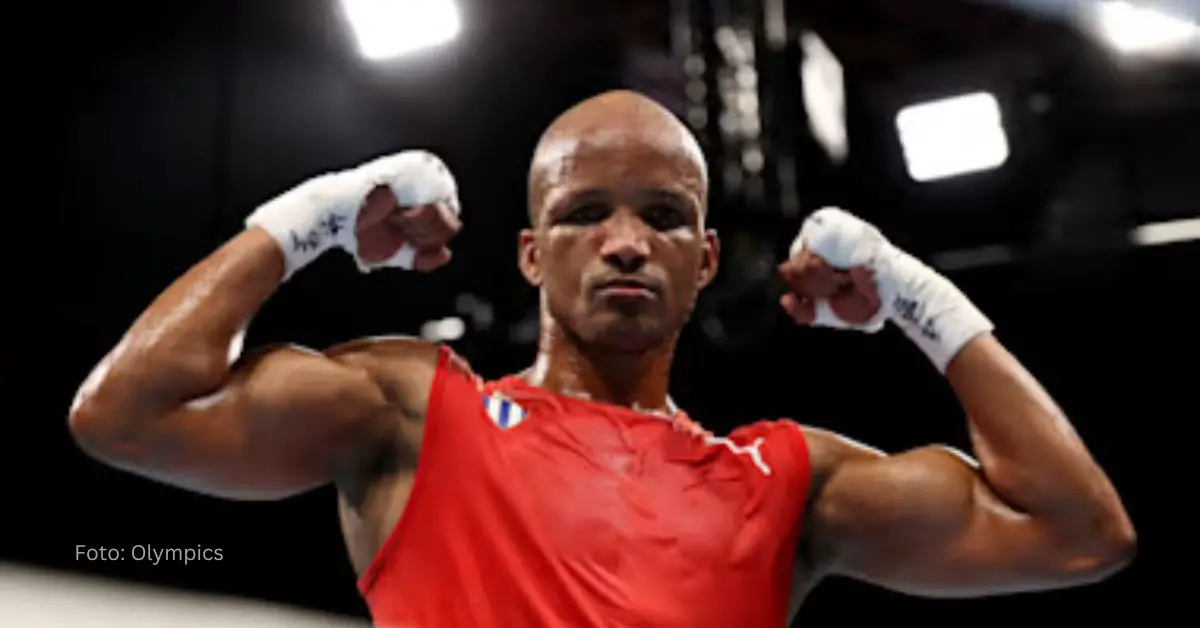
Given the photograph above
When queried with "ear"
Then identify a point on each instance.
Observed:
(711, 258)
(529, 258)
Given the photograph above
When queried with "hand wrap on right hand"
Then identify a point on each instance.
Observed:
(321, 213)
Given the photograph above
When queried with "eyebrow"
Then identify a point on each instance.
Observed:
(676, 195)
(556, 206)
(681, 195)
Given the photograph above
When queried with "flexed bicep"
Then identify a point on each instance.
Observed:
(282, 423)
(925, 522)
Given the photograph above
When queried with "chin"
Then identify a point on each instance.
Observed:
(609, 329)
(629, 335)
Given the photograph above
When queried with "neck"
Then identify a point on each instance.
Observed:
(567, 366)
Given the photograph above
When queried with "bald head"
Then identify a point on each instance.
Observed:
(618, 190)
(623, 129)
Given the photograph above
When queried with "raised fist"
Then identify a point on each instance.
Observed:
(832, 273)
(409, 216)
(412, 237)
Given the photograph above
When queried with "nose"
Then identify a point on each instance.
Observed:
(626, 244)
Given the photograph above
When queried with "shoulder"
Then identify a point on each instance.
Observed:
(838, 459)
(384, 349)
(835, 455)
(390, 352)
(829, 450)
(824, 449)
(784, 443)
(404, 366)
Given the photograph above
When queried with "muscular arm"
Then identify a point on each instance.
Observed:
(1035, 512)
(172, 403)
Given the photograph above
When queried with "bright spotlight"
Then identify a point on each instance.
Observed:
(953, 136)
(386, 29)
(444, 330)
(1138, 30)
(825, 96)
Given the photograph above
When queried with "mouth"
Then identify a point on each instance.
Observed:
(626, 288)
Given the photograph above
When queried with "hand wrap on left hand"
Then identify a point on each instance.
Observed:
(926, 306)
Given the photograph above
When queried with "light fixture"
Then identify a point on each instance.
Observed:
(387, 29)
(824, 96)
(952, 136)
(444, 330)
(1140, 30)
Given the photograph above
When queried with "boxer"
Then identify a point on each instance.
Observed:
(576, 493)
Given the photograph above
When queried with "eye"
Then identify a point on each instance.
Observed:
(588, 213)
(664, 216)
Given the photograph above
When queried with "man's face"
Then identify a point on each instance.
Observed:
(619, 247)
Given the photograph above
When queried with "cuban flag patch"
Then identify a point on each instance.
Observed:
(505, 413)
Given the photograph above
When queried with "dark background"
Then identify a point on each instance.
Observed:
(167, 123)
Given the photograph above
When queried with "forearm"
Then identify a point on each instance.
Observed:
(182, 344)
(1029, 453)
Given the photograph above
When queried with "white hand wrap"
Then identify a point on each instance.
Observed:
(929, 309)
(321, 213)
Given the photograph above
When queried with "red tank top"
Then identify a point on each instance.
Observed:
(531, 509)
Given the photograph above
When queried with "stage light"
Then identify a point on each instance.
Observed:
(952, 136)
(387, 29)
(444, 330)
(1136, 30)
(824, 96)
(1156, 234)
